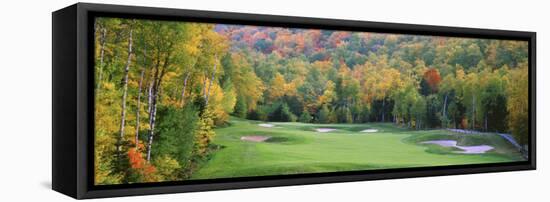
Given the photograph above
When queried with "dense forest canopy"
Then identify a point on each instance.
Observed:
(162, 87)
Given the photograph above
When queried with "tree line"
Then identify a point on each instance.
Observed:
(418, 82)
(162, 87)
(156, 99)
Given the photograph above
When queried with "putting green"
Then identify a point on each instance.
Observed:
(298, 148)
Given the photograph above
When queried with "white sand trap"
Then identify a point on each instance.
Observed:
(479, 149)
(266, 125)
(324, 130)
(369, 131)
(255, 138)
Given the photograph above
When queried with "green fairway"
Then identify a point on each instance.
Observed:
(175, 100)
(298, 148)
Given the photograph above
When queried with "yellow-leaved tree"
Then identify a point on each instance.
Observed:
(518, 104)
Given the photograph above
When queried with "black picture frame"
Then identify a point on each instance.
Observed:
(72, 100)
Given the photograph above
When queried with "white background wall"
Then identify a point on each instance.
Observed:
(25, 99)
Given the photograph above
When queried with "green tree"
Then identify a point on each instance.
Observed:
(282, 114)
(324, 115)
(176, 134)
(517, 104)
(305, 117)
(240, 108)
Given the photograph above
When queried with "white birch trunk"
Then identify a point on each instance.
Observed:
(155, 96)
(184, 87)
(152, 128)
(124, 93)
(138, 107)
(204, 86)
(101, 56)
(152, 112)
(212, 78)
(473, 112)
(150, 96)
(445, 110)
(445, 106)
(383, 106)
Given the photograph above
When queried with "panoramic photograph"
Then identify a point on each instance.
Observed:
(181, 101)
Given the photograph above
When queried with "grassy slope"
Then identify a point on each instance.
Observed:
(297, 148)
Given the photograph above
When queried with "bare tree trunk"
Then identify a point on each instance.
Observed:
(445, 106)
(486, 128)
(204, 86)
(139, 96)
(150, 96)
(138, 105)
(184, 87)
(155, 96)
(124, 93)
(454, 120)
(212, 79)
(101, 56)
(383, 106)
(152, 128)
(152, 114)
(473, 112)
(152, 109)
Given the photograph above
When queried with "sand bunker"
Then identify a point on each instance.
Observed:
(324, 130)
(266, 125)
(255, 138)
(479, 149)
(369, 131)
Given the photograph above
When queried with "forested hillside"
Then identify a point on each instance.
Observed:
(162, 87)
(415, 81)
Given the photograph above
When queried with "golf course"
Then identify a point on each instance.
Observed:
(253, 148)
(178, 101)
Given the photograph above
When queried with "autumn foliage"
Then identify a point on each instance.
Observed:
(140, 167)
(183, 81)
(433, 79)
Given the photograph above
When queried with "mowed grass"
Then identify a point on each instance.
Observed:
(297, 148)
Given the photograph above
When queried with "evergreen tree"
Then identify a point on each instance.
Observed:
(305, 117)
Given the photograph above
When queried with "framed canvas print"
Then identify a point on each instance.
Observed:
(154, 100)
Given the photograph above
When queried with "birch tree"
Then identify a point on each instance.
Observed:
(102, 40)
(138, 107)
(124, 93)
(167, 37)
